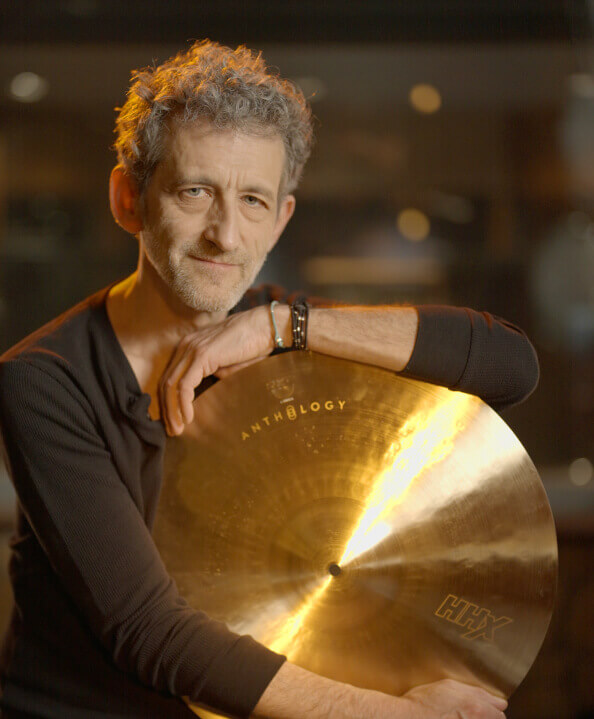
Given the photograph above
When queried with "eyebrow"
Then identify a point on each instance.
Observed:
(204, 180)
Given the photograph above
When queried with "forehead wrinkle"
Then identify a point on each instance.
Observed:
(179, 149)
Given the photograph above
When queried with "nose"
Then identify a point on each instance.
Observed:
(222, 228)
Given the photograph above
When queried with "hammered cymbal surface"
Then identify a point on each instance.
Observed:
(377, 530)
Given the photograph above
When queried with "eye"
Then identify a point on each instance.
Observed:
(253, 201)
(195, 192)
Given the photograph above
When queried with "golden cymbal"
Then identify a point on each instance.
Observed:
(377, 530)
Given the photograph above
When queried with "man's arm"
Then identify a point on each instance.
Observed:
(455, 347)
(381, 336)
(295, 692)
(96, 539)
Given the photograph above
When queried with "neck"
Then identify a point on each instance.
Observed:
(149, 324)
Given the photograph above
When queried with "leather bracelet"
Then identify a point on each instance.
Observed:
(299, 317)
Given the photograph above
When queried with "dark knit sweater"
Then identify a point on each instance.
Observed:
(99, 629)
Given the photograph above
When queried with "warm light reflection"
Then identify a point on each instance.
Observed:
(412, 453)
(374, 534)
(287, 636)
(413, 224)
(425, 98)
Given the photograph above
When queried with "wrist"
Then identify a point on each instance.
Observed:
(282, 316)
(299, 323)
(355, 703)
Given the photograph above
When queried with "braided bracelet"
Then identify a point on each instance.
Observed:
(299, 316)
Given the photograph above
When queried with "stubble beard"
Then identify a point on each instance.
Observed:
(201, 292)
(203, 296)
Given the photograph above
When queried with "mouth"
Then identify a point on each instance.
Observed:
(213, 263)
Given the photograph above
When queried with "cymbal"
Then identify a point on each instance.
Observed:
(377, 530)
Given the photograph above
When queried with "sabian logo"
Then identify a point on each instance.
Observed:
(281, 388)
(291, 412)
(478, 622)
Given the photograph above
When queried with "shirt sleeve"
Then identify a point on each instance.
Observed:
(455, 347)
(98, 544)
(473, 352)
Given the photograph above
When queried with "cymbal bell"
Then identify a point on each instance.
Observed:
(377, 530)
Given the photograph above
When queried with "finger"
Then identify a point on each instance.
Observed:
(186, 393)
(480, 694)
(168, 391)
(192, 372)
(497, 701)
(484, 712)
(500, 703)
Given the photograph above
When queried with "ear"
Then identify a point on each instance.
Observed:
(124, 200)
(285, 212)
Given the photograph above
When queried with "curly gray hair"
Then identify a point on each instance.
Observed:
(232, 89)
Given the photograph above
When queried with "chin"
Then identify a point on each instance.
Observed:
(212, 299)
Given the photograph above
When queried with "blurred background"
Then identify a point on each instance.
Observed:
(454, 164)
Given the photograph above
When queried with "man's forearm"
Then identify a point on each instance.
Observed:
(295, 693)
(455, 347)
(381, 336)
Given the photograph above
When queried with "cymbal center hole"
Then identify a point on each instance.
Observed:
(334, 569)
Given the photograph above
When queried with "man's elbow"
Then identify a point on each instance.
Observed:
(522, 377)
(528, 374)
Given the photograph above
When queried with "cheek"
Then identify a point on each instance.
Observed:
(172, 230)
(261, 237)
(166, 214)
(259, 249)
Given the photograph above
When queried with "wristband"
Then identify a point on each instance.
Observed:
(299, 317)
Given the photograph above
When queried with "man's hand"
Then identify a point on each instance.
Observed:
(446, 699)
(449, 699)
(380, 336)
(296, 693)
(220, 349)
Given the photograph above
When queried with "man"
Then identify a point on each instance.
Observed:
(210, 148)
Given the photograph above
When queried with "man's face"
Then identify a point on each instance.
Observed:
(211, 213)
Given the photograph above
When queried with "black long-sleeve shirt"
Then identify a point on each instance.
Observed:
(99, 629)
